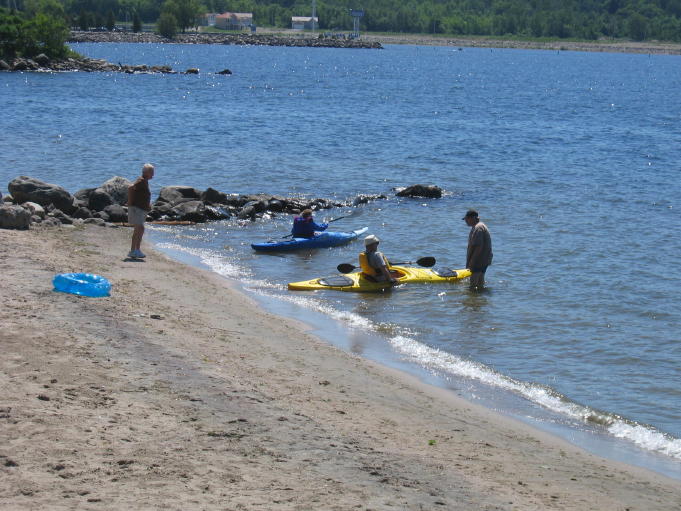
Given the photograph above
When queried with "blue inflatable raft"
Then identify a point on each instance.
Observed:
(83, 284)
(322, 240)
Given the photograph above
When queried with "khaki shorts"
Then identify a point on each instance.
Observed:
(136, 216)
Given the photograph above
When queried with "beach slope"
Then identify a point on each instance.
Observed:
(178, 392)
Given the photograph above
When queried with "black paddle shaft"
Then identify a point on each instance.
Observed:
(426, 262)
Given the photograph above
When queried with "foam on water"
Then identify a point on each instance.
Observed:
(642, 435)
(214, 260)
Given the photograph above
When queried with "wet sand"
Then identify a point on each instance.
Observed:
(179, 392)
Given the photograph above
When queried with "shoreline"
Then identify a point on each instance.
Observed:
(202, 395)
(652, 47)
(288, 37)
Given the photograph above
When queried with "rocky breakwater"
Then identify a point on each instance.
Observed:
(34, 202)
(42, 63)
(211, 38)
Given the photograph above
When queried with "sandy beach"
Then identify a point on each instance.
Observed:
(179, 392)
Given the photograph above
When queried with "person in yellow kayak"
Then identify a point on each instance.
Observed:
(373, 263)
(304, 225)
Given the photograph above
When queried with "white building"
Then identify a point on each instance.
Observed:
(304, 22)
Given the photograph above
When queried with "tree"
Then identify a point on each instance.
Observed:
(186, 12)
(167, 25)
(83, 20)
(136, 22)
(11, 27)
(110, 20)
(637, 27)
(45, 34)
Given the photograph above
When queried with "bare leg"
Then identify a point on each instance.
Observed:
(137, 233)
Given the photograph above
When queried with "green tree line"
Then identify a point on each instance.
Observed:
(40, 28)
(582, 19)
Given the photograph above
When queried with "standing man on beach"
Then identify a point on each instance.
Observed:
(139, 203)
(479, 254)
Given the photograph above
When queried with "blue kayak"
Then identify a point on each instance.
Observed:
(322, 240)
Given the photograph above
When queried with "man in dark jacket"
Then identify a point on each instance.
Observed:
(479, 254)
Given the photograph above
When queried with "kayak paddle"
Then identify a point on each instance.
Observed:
(332, 220)
(424, 261)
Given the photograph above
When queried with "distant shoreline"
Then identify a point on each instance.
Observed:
(656, 48)
(284, 37)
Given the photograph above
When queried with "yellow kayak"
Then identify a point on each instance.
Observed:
(356, 282)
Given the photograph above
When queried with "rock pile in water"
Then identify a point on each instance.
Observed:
(42, 63)
(32, 201)
(240, 38)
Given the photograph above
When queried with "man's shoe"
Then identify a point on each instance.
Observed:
(132, 254)
(138, 253)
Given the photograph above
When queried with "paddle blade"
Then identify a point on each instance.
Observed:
(426, 261)
(345, 267)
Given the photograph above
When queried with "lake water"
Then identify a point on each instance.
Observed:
(571, 158)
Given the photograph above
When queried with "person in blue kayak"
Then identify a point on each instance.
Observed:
(373, 263)
(304, 225)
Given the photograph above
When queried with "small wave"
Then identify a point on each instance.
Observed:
(349, 318)
(644, 436)
(215, 261)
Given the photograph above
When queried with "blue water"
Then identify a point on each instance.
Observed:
(571, 158)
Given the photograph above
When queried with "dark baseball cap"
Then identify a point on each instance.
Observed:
(470, 213)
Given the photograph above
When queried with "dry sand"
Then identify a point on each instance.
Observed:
(179, 393)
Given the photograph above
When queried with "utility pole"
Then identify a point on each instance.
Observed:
(314, 14)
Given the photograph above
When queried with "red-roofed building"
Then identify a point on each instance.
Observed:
(234, 20)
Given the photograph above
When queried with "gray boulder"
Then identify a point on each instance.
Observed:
(34, 209)
(8, 199)
(364, 199)
(27, 189)
(257, 205)
(42, 60)
(117, 188)
(236, 201)
(95, 221)
(247, 212)
(61, 216)
(4, 66)
(213, 196)
(82, 212)
(101, 214)
(117, 213)
(50, 222)
(217, 213)
(431, 191)
(99, 200)
(193, 211)
(84, 194)
(174, 194)
(276, 205)
(14, 217)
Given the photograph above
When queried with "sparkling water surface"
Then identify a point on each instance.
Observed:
(571, 158)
